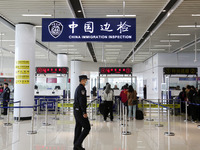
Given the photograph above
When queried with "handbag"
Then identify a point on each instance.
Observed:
(134, 102)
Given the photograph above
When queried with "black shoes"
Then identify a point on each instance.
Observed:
(78, 148)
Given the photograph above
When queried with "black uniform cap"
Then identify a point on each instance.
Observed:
(82, 77)
(6, 84)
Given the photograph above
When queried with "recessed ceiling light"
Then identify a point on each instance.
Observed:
(120, 15)
(8, 40)
(157, 49)
(177, 34)
(196, 15)
(113, 46)
(2, 34)
(163, 10)
(36, 15)
(65, 45)
(189, 26)
(112, 50)
(162, 45)
(38, 26)
(165, 41)
(79, 11)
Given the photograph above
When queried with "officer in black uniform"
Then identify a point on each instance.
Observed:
(80, 114)
(6, 97)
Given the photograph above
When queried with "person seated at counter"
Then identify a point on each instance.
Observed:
(115, 88)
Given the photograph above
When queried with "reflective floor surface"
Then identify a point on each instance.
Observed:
(103, 135)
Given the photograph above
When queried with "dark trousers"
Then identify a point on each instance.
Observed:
(5, 104)
(108, 109)
(82, 128)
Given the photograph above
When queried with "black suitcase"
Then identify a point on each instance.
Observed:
(139, 115)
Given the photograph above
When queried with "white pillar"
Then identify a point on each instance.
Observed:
(24, 69)
(75, 73)
(62, 61)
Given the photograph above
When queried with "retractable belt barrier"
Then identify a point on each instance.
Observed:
(168, 133)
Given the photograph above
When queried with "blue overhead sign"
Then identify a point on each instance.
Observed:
(89, 30)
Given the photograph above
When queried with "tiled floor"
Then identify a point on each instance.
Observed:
(103, 136)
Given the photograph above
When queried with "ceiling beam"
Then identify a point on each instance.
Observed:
(79, 13)
(159, 20)
(11, 25)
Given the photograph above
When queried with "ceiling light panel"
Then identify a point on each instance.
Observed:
(189, 26)
(162, 45)
(167, 41)
(36, 15)
(179, 34)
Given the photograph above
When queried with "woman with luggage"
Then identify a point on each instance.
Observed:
(132, 102)
(108, 102)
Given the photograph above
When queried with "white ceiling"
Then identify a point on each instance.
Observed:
(146, 11)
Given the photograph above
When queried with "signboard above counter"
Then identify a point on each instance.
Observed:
(89, 29)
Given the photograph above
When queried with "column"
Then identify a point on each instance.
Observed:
(62, 61)
(24, 69)
(75, 73)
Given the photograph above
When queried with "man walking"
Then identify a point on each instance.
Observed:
(80, 114)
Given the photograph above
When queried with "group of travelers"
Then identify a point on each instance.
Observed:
(128, 97)
(192, 96)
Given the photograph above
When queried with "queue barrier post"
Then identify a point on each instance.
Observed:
(56, 110)
(92, 112)
(38, 108)
(149, 119)
(159, 125)
(173, 108)
(1, 118)
(19, 111)
(8, 118)
(169, 133)
(120, 111)
(62, 106)
(32, 123)
(123, 113)
(125, 132)
(46, 115)
(186, 112)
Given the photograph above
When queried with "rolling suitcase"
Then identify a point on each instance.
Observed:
(139, 115)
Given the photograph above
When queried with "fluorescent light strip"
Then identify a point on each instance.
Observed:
(8, 40)
(177, 34)
(38, 26)
(69, 49)
(189, 26)
(157, 49)
(36, 15)
(112, 50)
(120, 15)
(2, 34)
(113, 46)
(162, 45)
(65, 45)
(165, 41)
(195, 15)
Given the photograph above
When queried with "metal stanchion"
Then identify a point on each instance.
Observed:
(180, 107)
(173, 108)
(32, 124)
(19, 111)
(46, 116)
(123, 124)
(96, 107)
(159, 125)
(149, 119)
(92, 118)
(169, 133)
(38, 108)
(62, 107)
(56, 110)
(1, 118)
(120, 111)
(125, 132)
(8, 118)
(186, 115)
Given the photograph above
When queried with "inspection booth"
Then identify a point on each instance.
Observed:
(51, 84)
